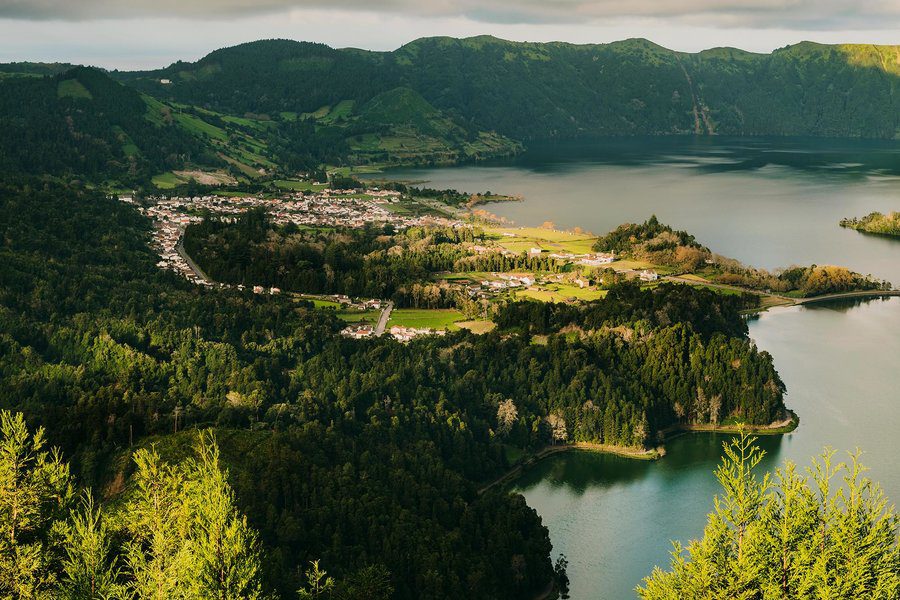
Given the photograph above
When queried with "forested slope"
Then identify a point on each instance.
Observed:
(359, 453)
(536, 90)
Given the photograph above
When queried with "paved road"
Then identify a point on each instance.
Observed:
(843, 295)
(788, 299)
(179, 248)
(383, 319)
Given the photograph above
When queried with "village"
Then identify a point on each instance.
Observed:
(349, 208)
(325, 208)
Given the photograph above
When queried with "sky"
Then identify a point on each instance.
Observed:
(143, 34)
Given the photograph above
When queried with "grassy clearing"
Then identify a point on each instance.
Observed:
(200, 127)
(206, 177)
(518, 239)
(319, 303)
(420, 318)
(356, 170)
(72, 88)
(561, 292)
(245, 169)
(478, 327)
(157, 113)
(356, 316)
(341, 110)
(167, 181)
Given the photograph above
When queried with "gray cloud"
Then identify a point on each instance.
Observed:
(797, 14)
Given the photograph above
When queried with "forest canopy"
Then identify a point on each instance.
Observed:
(373, 452)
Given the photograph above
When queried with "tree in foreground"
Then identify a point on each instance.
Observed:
(90, 569)
(183, 534)
(188, 538)
(35, 492)
(828, 533)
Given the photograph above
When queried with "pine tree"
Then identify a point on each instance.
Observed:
(35, 492)
(224, 548)
(830, 534)
(90, 569)
(318, 584)
(158, 521)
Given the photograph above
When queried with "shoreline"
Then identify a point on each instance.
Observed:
(786, 425)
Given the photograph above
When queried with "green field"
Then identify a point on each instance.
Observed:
(167, 180)
(355, 316)
(561, 292)
(197, 126)
(478, 327)
(421, 318)
(551, 240)
(72, 88)
(341, 110)
(320, 303)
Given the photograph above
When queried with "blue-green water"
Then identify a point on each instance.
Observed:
(768, 203)
(613, 518)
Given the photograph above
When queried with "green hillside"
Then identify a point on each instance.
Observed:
(82, 123)
(536, 90)
(278, 107)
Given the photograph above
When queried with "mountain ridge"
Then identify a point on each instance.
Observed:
(627, 87)
(284, 106)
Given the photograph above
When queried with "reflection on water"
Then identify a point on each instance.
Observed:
(614, 518)
(768, 203)
(839, 158)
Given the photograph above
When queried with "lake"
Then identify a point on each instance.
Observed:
(613, 518)
(769, 203)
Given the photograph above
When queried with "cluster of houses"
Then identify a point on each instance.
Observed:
(359, 331)
(332, 208)
(404, 334)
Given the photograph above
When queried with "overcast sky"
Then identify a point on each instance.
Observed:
(138, 34)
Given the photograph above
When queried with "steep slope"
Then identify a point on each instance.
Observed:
(82, 123)
(536, 90)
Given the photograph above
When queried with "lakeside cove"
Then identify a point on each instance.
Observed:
(787, 425)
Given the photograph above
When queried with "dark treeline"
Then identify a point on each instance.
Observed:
(706, 311)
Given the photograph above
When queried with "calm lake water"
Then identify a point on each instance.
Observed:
(767, 203)
(614, 518)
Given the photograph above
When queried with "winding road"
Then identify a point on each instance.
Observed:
(788, 299)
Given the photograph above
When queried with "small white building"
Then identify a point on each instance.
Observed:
(596, 260)
(648, 275)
